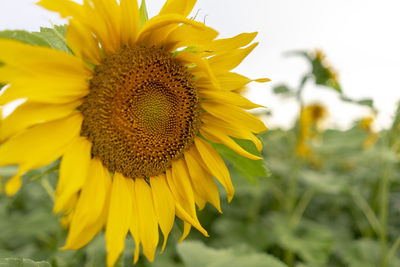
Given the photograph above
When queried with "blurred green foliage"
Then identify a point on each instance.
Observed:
(302, 214)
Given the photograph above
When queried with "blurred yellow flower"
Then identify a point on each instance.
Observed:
(311, 119)
(367, 125)
(131, 113)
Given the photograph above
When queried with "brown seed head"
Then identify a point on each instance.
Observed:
(142, 111)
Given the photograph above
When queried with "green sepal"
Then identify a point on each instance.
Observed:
(55, 37)
(143, 15)
(248, 168)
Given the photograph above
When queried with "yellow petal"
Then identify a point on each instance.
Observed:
(229, 81)
(183, 186)
(148, 224)
(155, 30)
(119, 217)
(181, 7)
(129, 21)
(91, 210)
(214, 164)
(202, 181)
(227, 44)
(187, 36)
(31, 113)
(201, 69)
(34, 60)
(235, 115)
(215, 135)
(67, 217)
(199, 200)
(44, 89)
(164, 205)
(134, 227)
(74, 169)
(229, 129)
(179, 210)
(186, 230)
(229, 98)
(229, 60)
(77, 35)
(41, 144)
(14, 183)
(65, 8)
(103, 16)
(180, 178)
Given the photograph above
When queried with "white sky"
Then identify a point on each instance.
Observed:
(360, 38)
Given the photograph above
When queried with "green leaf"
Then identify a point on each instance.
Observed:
(324, 182)
(25, 37)
(323, 73)
(364, 252)
(364, 102)
(282, 89)
(48, 37)
(250, 169)
(18, 262)
(55, 37)
(143, 15)
(196, 254)
(312, 242)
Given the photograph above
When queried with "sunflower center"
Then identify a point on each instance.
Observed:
(142, 111)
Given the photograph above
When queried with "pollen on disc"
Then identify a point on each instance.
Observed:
(142, 111)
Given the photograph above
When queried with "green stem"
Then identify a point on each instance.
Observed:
(383, 210)
(392, 251)
(49, 189)
(368, 212)
(37, 177)
(293, 183)
(300, 208)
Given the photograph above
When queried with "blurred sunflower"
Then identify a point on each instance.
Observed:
(366, 124)
(322, 70)
(131, 112)
(311, 118)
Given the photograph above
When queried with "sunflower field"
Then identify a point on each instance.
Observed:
(320, 197)
(311, 197)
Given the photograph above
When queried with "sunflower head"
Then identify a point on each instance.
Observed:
(312, 117)
(132, 113)
(322, 70)
(311, 120)
(366, 123)
(137, 120)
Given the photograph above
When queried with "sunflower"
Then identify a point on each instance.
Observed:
(132, 113)
(311, 119)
